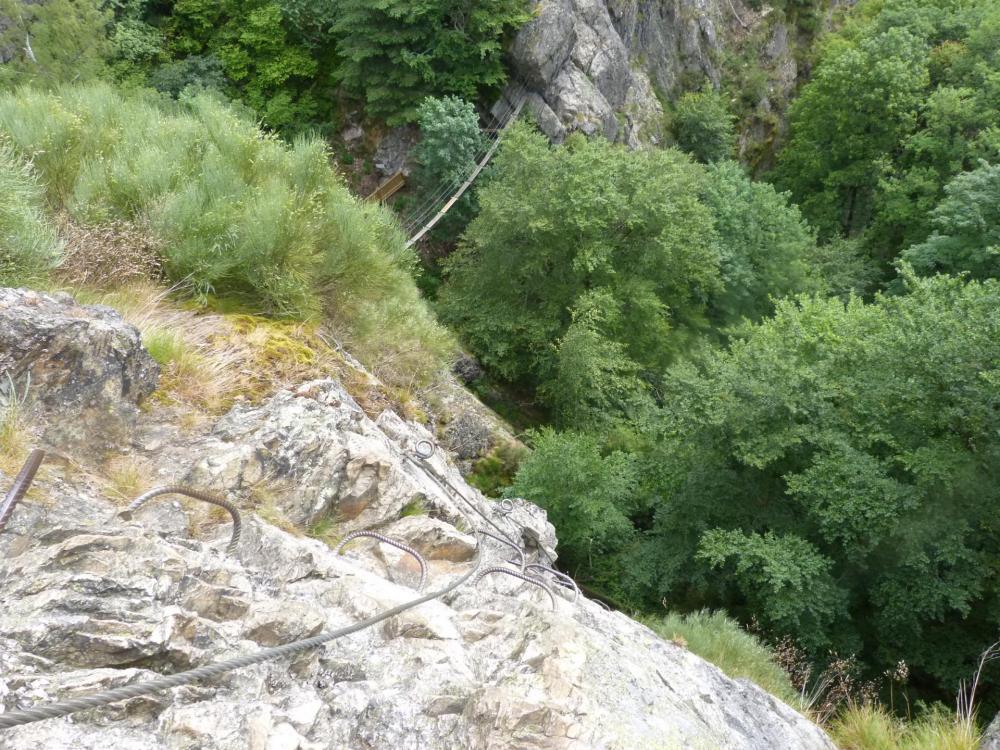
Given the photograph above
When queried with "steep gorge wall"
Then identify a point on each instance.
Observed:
(610, 66)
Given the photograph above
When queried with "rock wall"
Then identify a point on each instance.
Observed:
(608, 66)
(91, 599)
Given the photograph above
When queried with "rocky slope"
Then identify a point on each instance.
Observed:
(90, 598)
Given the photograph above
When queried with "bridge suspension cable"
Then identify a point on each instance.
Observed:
(447, 194)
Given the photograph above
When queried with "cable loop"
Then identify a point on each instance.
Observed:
(561, 578)
(515, 574)
(206, 497)
(391, 542)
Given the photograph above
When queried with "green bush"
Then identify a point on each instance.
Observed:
(717, 638)
(240, 214)
(703, 125)
(29, 245)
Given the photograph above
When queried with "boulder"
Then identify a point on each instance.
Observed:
(468, 435)
(393, 152)
(81, 369)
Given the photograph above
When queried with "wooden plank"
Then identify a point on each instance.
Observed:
(388, 188)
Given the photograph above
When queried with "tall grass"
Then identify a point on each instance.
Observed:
(719, 639)
(29, 246)
(239, 213)
(872, 727)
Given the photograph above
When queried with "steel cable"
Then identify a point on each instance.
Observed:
(427, 208)
(560, 577)
(391, 542)
(165, 682)
(515, 574)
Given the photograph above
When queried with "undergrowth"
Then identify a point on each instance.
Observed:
(720, 640)
(29, 245)
(234, 213)
(866, 726)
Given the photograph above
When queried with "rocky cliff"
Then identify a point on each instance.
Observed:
(610, 66)
(92, 598)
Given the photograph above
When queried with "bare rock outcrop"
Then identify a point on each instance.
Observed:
(79, 368)
(609, 66)
(90, 599)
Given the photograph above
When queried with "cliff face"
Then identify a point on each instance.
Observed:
(91, 598)
(608, 66)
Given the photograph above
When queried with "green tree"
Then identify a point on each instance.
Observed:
(53, 42)
(588, 496)
(863, 100)
(588, 250)
(265, 63)
(703, 125)
(835, 474)
(967, 228)
(903, 99)
(450, 141)
(395, 53)
(766, 246)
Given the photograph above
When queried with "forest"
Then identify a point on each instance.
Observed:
(769, 391)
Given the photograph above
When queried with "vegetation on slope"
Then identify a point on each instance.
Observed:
(238, 214)
(901, 101)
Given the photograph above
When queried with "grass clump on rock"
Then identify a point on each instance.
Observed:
(236, 213)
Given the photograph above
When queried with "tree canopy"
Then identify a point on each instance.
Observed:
(900, 102)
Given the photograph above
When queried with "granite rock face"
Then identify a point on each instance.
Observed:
(90, 601)
(596, 65)
(79, 368)
(608, 66)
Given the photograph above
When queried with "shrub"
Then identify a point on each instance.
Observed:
(871, 727)
(29, 246)
(703, 125)
(237, 212)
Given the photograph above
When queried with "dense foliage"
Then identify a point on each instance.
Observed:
(290, 61)
(703, 125)
(449, 147)
(834, 473)
(591, 267)
(394, 53)
(904, 99)
(29, 247)
(240, 213)
(53, 41)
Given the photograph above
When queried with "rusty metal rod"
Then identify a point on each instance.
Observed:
(21, 484)
(206, 497)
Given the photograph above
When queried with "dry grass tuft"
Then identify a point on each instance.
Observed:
(868, 726)
(124, 478)
(113, 253)
(13, 438)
